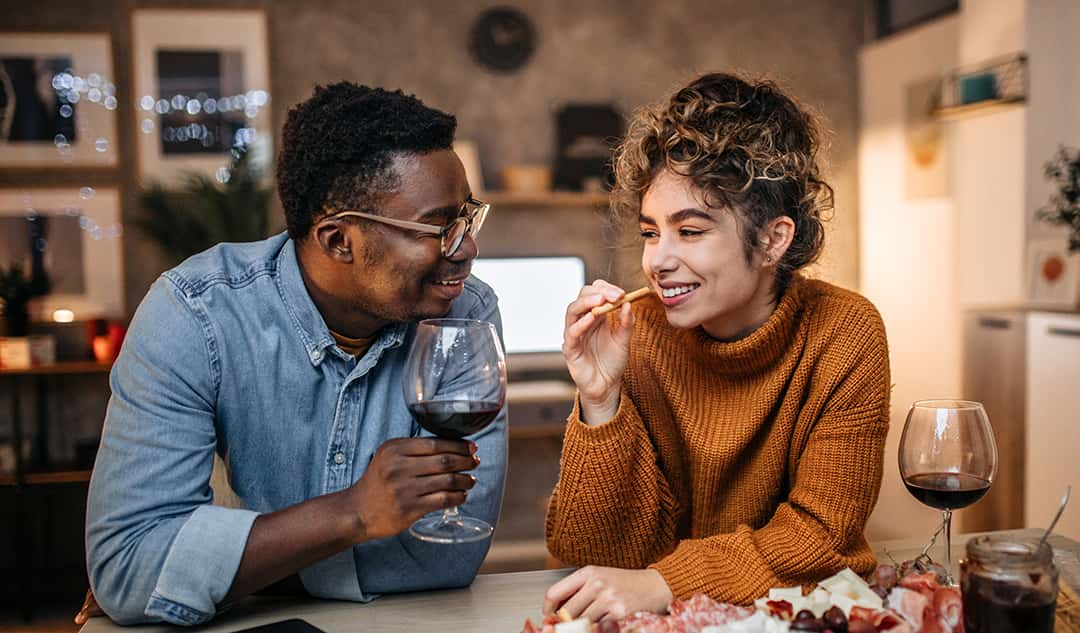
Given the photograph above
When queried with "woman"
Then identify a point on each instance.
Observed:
(729, 430)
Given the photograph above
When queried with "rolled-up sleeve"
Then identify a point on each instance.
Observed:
(156, 549)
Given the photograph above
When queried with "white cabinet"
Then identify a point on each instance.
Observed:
(1053, 419)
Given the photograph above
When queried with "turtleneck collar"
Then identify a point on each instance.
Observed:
(760, 349)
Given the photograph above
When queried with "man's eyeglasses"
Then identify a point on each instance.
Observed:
(469, 220)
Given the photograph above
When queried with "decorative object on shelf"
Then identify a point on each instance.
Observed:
(201, 87)
(24, 352)
(526, 178)
(105, 337)
(82, 252)
(185, 221)
(470, 159)
(925, 170)
(57, 100)
(1001, 81)
(1053, 275)
(585, 137)
(1055, 265)
(502, 39)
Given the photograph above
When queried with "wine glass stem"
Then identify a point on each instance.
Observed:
(451, 516)
(947, 522)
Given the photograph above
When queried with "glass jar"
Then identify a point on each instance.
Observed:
(1009, 585)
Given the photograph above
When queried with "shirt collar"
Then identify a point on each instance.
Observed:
(312, 329)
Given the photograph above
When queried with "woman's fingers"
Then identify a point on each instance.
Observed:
(561, 591)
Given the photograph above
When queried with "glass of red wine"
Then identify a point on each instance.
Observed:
(455, 386)
(948, 458)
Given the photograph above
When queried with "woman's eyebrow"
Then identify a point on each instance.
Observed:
(679, 216)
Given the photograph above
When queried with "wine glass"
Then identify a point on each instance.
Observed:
(948, 458)
(455, 385)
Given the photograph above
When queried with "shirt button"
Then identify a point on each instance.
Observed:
(316, 355)
(339, 458)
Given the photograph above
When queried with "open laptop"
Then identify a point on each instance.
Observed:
(533, 294)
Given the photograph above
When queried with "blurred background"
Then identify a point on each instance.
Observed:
(135, 133)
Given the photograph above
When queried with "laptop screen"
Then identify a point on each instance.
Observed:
(533, 294)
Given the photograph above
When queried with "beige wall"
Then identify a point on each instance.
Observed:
(625, 51)
(906, 264)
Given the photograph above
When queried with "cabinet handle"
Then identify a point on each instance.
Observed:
(994, 324)
(1063, 331)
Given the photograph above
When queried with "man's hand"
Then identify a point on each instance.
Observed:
(408, 478)
(89, 608)
(600, 593)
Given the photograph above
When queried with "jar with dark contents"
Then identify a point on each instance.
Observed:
(1009, 585)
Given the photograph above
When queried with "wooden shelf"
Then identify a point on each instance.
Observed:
(48, 477)
(62, 367)
(977, 108)
(545, 199)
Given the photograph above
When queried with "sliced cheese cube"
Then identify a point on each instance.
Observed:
(580, 625)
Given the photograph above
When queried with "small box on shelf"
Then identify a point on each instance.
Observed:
(24, 352)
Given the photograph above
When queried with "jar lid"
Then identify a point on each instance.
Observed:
(1009, 550)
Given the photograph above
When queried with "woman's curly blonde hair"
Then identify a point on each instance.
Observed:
(747, 146)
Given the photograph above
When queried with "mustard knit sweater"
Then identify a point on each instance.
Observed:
(734, 467)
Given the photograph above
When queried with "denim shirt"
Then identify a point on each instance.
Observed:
(228, 353)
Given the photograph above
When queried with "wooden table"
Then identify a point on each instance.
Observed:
(495, 603)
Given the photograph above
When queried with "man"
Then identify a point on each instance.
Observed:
(285, 357)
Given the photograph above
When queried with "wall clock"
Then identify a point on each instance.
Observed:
(502, 39)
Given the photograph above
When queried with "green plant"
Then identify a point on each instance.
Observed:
(16, 291)
(205, 212)
(1063, 208)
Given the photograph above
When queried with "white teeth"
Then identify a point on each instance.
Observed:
(674, 292)
(448, 283)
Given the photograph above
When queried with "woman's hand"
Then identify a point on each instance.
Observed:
(600, 593)
(596, 349)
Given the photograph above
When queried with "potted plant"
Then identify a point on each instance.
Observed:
(1063, 208)
(16, 291)
(205, 212)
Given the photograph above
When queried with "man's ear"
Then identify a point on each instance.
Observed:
(334, 241)
(775, 239)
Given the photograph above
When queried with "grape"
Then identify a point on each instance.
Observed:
(807, 624)
(835, 619)
(805, 614)
(882, 592)
(885, 575)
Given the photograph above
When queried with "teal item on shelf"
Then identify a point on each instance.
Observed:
(977, 87)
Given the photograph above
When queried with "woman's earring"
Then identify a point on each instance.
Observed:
(768, 259)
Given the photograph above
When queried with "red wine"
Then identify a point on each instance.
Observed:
(454, 419)
(946, 491)
(997, 607)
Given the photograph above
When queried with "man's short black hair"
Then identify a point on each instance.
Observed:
(337, 148)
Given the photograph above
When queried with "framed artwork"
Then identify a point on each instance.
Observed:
(202, 87)
(1054, 274)
(57, 100)
(926, 161)
(73, 236)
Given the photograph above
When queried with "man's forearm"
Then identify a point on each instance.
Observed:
(284, 542)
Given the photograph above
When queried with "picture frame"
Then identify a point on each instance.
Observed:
(58, 101)
(1053, 275)
(201, 83)
(83, 248)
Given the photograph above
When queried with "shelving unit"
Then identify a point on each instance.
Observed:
(981, 89)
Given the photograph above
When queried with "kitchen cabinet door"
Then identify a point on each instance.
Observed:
(1053, 419)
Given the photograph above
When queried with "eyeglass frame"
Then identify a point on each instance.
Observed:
(473, 223)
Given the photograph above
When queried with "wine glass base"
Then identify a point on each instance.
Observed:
(460, 529)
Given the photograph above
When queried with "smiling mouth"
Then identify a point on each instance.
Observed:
(668, 293)
(449, 282)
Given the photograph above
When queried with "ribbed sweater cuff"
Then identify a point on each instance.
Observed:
(625, 423)
(685, 574)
